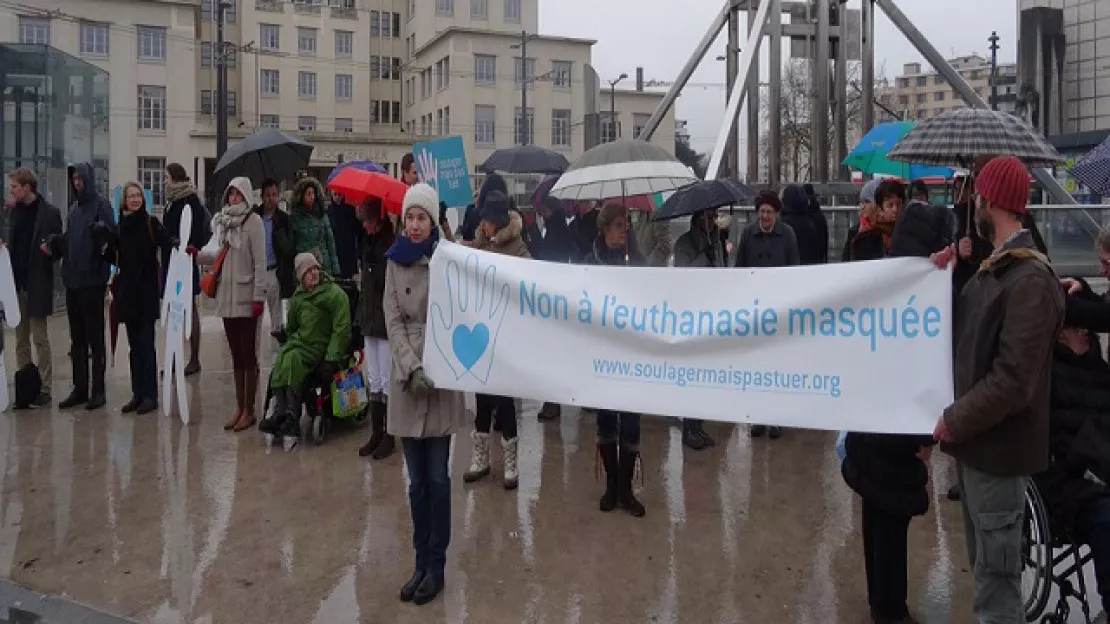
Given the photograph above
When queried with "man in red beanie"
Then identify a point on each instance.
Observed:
(1008, 317)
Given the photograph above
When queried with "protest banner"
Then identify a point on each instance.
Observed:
(177, 318)
(442, 164)
(9, 303)
(863, 346)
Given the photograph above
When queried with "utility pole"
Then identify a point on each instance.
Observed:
(221, 80)
(522, 127)
(993, 39)
(613, 104)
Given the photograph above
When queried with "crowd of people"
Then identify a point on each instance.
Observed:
(1031, 381)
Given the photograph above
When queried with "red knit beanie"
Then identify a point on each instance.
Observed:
(1004, 182)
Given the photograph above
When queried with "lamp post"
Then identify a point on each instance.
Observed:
(522, 128)
(613, 103)
(221, 80)
(993, 39)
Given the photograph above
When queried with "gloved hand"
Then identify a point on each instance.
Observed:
(280, 335)
(192, 251)
(420, 384)
(326, 370)
(48, 245)
(257, 308)
(100, 228)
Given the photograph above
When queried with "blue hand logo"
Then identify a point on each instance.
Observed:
(178, 287)
(465, 330)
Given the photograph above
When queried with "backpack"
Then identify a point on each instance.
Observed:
(28, 385)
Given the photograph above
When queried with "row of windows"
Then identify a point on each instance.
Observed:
(269, 40)
(485, 71)
(270, 85)
(479, 9)
(150, 40)
(938, 96)
(485, 126)
(921, 81)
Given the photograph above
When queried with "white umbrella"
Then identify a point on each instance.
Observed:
(622, 169)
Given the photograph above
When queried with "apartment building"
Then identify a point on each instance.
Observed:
(148, 50)
(916, 95)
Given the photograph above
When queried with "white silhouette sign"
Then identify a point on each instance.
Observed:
(177, 318)
(10, 303)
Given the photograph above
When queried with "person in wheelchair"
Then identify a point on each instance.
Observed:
(315, 341)
(1074, 485)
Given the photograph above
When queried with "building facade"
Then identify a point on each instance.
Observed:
(917, 95)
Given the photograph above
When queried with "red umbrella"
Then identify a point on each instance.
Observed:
(358, 185)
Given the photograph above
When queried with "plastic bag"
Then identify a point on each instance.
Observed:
(348, 392)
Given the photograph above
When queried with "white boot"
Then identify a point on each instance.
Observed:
(479, 461)
(508, 458)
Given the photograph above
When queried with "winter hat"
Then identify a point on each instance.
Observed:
(768, 197)
(1004, 182)
(421, 196)
(495, 209)
(303, 262)
(867, 193)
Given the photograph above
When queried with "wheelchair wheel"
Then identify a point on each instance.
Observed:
(319, 429)
(1036, 555)
(361, 417)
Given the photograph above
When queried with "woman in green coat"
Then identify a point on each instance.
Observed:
(318, 331)
(310, 227)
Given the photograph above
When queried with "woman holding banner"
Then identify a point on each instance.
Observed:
(618, 433)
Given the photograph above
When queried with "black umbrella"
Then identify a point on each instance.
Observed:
(267, 154)
(525, 159)
(705, 195)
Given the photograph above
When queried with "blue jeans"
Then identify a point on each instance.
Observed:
(622, 426)
(1092, 527)
(429, 500)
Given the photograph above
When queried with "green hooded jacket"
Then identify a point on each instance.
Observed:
(318, 330)
(310, 229)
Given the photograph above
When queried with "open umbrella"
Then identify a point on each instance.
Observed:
(870, 154)
(358, 185)
(267, 154)
(622, 169)
(525, 159)
(542, 190)
(956, 138)
(704, 195)
(361, 165)
(1093, 169)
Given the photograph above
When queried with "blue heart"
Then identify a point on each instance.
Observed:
(179, 287)
(469, 344)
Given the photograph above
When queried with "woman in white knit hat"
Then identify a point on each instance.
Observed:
(421, 415)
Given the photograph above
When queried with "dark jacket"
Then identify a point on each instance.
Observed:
(310, 229)
(508, 241)
(83, 263)
(795, 213)
(371, 317)
(697, 248)
(601, 254)
(922, 229)
(1079, 439)
(40, 267)
(559, 243)
(980, 248)
(874, 243)
(776, 248)
(821, 228)
(846, 252)
(200, 231)
(584, 227)
(1010, 313)
(472, 217)
(134, 248)
(349, 236)
(884, 469)
(284, 253)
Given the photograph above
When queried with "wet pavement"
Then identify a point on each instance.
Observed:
(146, 519)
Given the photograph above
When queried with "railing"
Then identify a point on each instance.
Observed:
(350, 13)
(275, 6)
(307, 7)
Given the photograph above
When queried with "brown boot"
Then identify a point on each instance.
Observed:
(250, 393)
(240, 380)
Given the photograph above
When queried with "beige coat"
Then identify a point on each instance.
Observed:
(243, 277)
(442, 413)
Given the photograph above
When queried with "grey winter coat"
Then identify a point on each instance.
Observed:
(243, 277)
(40, 268)
(776, 248)
(83, 264)
(441, 413)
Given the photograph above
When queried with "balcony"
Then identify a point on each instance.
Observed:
(273, 6)
(348, 13)
(306, 7)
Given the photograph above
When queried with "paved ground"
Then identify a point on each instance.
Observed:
(146, 519)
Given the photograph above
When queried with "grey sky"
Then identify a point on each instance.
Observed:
(661, 34)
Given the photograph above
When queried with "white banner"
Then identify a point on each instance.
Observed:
(177, 318)
(865, 346)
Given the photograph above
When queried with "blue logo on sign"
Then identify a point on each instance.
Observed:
(465, 327)
(178, 287)
(469, 344)
(442, 164)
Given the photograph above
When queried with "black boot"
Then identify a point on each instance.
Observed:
(428, 589)
(690, 437)
(291, 420)
(97, 399)
(377, 428)
(271, 423)
(549, 411)
(699, 426)
(409, 588)
(608, 451)
(75, 398)
(386, 448)
(625, 498)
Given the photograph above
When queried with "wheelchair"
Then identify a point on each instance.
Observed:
(1050, 559)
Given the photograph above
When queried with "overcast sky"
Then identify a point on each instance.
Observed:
(660, 35)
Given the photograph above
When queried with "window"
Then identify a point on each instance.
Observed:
(208, 10)
(270, 81)
(385, 67)
(152, 43)
(446, 120)
(921, 114)
(485, 125)
(206, 102)
(152, 108)
(410, 46)
(512, 10)
(920, 98)
(344, 44)
(479, 9)
(270, 37)
(395, 65)
(94, 39)
(410, 91)
(610, 131)
(269, 121)
(306, 124)
(396, 25)
(205, 54)
(344, 124)
(903, 100)
(445, 7)
(443, 73)
(485, 69)
(306, 85)
(439, 121)
(639, 120)
(518, 128)
(561, 73)
(529, 70)
(34, 30)
(344, 86)
(385, 111)
(232, 104)
(560, 127)
(306, 41)
(938, 79)
(921, 80)
(938, 96)
(395, 107)
(231, 55)
(375, 24)
(426, 83)
(152, 173)
(412, 9)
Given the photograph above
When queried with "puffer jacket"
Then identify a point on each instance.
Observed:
(507, 241)
(318, 330)
(83, 264)
(310, 229)
(371, 316)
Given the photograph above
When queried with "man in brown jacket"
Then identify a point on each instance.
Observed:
(997, 429)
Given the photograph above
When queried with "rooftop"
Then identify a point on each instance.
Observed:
(508, 36)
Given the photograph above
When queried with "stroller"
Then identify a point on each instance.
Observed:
(317, 417)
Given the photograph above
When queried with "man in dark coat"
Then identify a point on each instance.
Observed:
(85, 274)
(281, 282)
(795, 213)
(820, 224)
(472, 216)
(348, 235)
(180, 192)
(584, 227)
(33, 221)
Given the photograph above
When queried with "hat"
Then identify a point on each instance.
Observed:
(867, 193)
(495, 209)
(1004, 182)
(422, 196)
(771, 198)
(303, 262)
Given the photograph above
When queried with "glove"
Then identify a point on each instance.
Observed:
(48, 245)
(420, 384)
(257, 308)
(280, 335)
(192, 251)
(326, 370)
(100, 228)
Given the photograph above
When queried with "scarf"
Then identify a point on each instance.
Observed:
(405, 252)
(178, 190)
(229, 223)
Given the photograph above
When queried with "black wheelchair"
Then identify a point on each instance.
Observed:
(1051, 559)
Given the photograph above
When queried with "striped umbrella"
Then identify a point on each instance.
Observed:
(1093, 169)
(956, 138)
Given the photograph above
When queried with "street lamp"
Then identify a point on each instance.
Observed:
(613, 104)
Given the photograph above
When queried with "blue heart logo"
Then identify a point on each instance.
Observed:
(178, 287)
(469, 344)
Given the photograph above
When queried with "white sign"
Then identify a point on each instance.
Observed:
(177, 318)
(864, 346)
(10, 303)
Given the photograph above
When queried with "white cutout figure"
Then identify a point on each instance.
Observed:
(177, 318)
(11, 316)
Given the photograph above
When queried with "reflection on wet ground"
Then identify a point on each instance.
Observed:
(161, 523)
